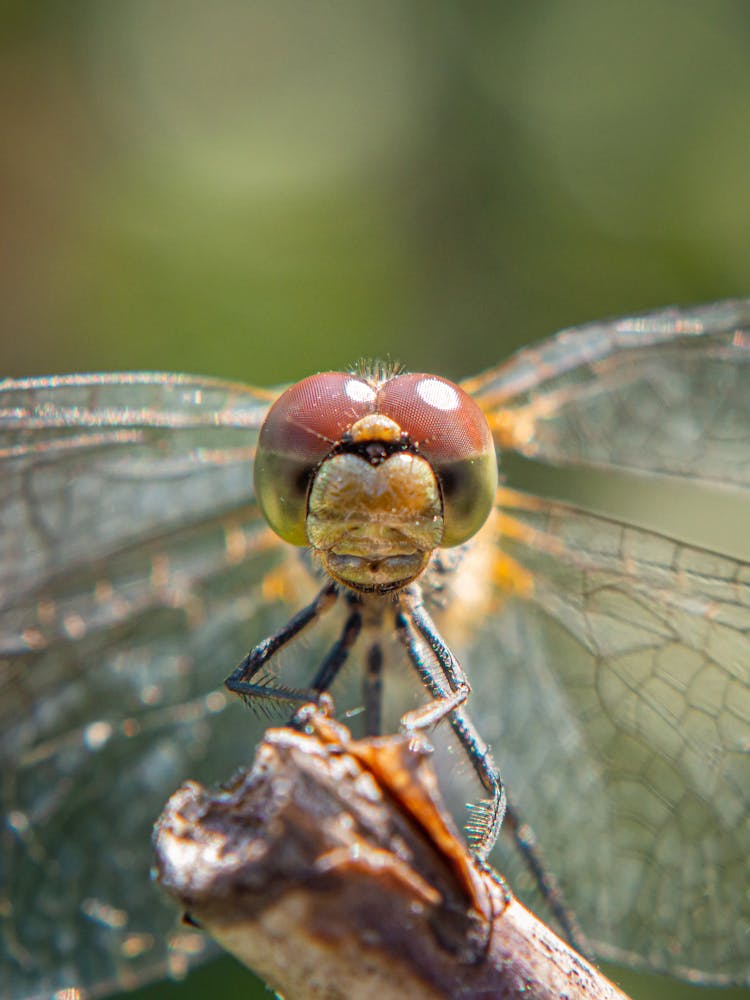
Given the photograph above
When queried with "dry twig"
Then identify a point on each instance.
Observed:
(333, 870)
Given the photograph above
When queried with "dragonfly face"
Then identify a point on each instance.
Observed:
(375, 472)
(610, 664)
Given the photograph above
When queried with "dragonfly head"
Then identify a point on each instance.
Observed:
(375, 474)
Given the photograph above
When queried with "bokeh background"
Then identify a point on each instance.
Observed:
(260, 190)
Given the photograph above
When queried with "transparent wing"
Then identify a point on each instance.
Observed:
(617, 699)
(93, 462)
(132, 556)
(663, 393)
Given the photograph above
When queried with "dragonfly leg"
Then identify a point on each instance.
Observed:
(416, 630)
(240, 681)
(526, 843)
(339, 652)
(372, 690)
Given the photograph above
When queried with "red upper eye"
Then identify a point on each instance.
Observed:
(301, 427)
(452, 433)
(309, 418)
(439, 417)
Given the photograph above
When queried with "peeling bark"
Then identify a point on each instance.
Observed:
(333, 870)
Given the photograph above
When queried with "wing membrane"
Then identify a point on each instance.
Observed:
(665, 393)
(632, 662)
(131, 563)
(93, 463)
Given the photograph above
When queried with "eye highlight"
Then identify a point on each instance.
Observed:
(438, 393)
(440, 418)
(300, 429)
(450, 430)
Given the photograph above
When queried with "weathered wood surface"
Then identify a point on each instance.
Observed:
(333, 870)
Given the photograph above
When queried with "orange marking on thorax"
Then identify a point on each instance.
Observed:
(510, 577)
(275, 585)
(516, 428)
(288, 582)
(509, 429)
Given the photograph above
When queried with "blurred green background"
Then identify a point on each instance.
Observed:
(261, 190)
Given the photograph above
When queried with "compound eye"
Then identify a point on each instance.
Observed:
(451, 432)
(300, 429)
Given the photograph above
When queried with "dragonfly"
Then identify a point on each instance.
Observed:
(155, 527)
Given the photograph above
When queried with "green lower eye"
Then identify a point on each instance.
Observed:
(468, 487)
(300, 430)
(281, 486)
